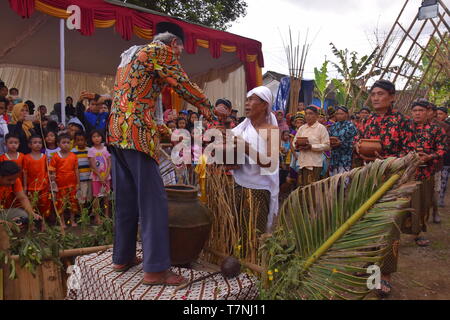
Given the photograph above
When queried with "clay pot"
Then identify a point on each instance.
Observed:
(189, 224)
(334, 140)
(368, 147)
(302, 141)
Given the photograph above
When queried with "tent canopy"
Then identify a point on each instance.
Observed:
(130, 27)
(32, 39)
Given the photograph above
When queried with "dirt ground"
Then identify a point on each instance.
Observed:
(424, 273)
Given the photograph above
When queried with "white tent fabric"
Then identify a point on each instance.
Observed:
(228, 82)
(41, 85)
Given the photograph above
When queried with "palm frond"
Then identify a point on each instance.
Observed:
(329, 230)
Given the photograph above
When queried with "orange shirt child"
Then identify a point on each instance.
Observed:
(65, 169)
(18, 161)
(8, 194)
(36, 173)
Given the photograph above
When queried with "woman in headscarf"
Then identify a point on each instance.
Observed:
(342, 134)
(259, 180)
(18, 126)
(282, 124)
(169, 115)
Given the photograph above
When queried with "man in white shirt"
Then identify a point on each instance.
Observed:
(310, 159)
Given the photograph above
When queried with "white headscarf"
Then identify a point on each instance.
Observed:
(248, 175)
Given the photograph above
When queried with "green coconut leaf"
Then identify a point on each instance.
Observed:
(310, 216)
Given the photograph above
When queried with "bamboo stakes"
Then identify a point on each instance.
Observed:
(296, 55)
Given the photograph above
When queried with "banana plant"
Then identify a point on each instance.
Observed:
(321, 82)
(331, 230)
(341, 95)
(353, 71)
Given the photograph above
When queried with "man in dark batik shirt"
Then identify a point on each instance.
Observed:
(441, 170)
(395, 133)
(430, 142)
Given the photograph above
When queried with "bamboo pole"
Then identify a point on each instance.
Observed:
(380, 53)
(415, 68)
(350, 222)
(76, 252)
(424, 49)
(441, 36)
(424, 76)
(434, 81)
(444, 7)
(401, 43)
(410, 49)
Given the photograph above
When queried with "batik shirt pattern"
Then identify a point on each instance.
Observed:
(431, 139)
(394, 131)
(132, 124)
(342, 156)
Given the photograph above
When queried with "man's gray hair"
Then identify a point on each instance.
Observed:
(167, 38)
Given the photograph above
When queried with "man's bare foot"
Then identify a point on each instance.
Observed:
(164, 278)
(125, 267)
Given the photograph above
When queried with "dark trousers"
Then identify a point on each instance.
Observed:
(140, 197)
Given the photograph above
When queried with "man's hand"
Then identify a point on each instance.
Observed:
(424, 158)
(379, 156)
(221, 112)
(336, 143)
(305, 147)
(86, 95)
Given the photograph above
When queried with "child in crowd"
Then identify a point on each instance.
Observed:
(12, 145)
(3, 124)
(74, 126)
(285, 155)
(171, 125)
(17, 207)
(285, 150)
(100, 162)
(51, 146)
(64, 166)
(81, 151)
(35, 177)
(181, 123)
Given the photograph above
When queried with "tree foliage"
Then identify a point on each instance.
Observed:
(353, 71)
(322, 82)
(212, 13)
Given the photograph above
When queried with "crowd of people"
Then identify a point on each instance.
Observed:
(316, 145)
(43, 160)
(65, 165)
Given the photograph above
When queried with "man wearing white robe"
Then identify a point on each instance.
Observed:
(260, 174)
